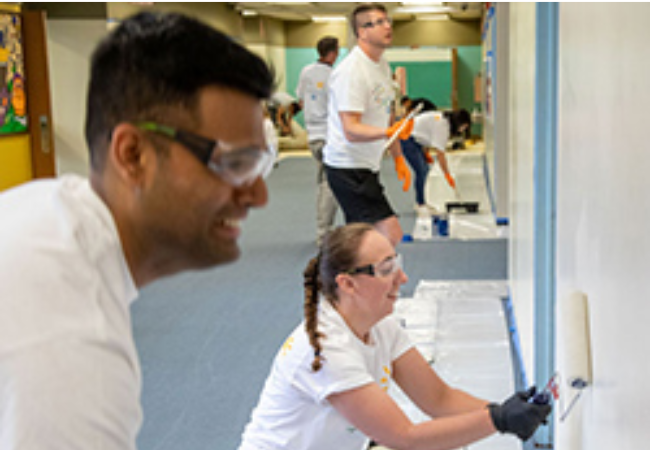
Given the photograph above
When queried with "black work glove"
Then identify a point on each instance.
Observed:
(519, 416)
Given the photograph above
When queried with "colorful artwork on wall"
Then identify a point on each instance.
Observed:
(13, 103)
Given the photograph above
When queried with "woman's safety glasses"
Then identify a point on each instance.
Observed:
(384, 268)
(237, 166)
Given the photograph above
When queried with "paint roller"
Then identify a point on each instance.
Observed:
(573, 346)
(460, 205)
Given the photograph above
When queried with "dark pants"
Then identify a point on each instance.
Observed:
(414, 154)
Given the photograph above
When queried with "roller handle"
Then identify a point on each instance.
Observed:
(410, 116)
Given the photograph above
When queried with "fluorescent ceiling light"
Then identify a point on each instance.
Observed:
(433, 17)
(422, 9)
(328, 19)
(248, 13)
(423, 3)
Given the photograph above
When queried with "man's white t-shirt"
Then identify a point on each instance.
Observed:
(431, 129)
(293, 412)
(360, 85)
(69, 372)
(312, 90)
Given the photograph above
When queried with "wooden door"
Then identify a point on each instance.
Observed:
(37, 86)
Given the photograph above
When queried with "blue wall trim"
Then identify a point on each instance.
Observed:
(545, 156)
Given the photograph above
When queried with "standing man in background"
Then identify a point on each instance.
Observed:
(177, 153)
(361, 94)
(312, 92)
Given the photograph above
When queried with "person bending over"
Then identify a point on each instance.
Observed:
(328, 384)
(431, 131)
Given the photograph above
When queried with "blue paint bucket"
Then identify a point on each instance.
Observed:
(443, 225)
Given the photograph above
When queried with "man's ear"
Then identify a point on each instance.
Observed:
(127, 153)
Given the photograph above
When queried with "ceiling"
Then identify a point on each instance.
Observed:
(417, 10)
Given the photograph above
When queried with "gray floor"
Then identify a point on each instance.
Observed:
(206, 340)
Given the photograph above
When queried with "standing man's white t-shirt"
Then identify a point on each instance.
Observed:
(364, 86)
(313, 91)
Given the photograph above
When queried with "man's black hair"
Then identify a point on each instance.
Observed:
(364, 8)
(152, 67)
(327, 45)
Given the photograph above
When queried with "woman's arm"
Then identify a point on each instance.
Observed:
(442, 160)
(374, 413)
(428, 391)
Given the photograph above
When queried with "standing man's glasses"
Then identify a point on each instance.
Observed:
(382, 22)
(237, 166)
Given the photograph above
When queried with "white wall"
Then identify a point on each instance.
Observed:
(275, 57)
(70, 44)
(521, 134)
(496, 84)
(498, 160)
(603, 241)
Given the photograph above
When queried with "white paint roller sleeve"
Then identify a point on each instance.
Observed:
(573, 340)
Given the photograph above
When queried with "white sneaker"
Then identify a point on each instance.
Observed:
(433, 210)
(423, 211)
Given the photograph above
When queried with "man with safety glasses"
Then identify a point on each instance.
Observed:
(178, 155)
(361, 95)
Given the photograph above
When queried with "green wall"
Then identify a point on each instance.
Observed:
(428, 79)
(431, 79)
(469, 65)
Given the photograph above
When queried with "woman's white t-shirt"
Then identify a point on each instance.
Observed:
(293, 412)
(431, 129)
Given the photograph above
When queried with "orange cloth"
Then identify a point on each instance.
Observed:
(403, 172)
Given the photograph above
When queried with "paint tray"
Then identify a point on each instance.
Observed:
(467, 207)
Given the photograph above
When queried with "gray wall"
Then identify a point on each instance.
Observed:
(70, 43)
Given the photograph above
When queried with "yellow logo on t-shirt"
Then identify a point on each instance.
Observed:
(386, 379)
(287, 346)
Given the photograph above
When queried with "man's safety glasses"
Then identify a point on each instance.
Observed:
(381, 22)
(237, 166)
(384, 268)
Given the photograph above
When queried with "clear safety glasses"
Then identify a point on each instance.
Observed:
(237, 166)
(381, 22)
(387, 267)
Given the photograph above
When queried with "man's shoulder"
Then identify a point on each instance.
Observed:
(315, 68)
(308, 68)
(348, 66)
